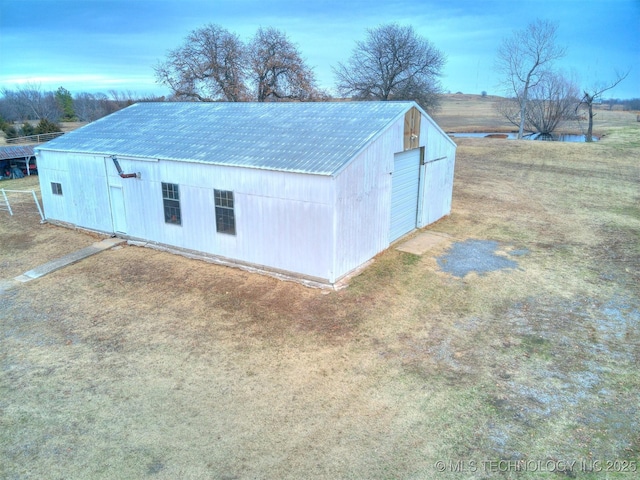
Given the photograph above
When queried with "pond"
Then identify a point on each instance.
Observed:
(533, 136)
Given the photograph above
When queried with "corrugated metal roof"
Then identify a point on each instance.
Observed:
(316, 138)
(8, 153)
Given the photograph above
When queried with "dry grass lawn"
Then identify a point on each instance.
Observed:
(136, 363)
(474, 113)
(26, 243)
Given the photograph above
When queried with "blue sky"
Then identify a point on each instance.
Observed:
(103, 45)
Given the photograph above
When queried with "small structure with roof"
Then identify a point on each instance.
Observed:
(17, 161)
(307, 190)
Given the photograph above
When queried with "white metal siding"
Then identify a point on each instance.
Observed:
(118, 214)
(437, 201)
(436, 186)
(290, 235)
(317, 226)
(85, 195)
(404, 193)
(363, 199)
(284, 221)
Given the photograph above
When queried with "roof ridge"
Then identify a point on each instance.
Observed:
(314, 137)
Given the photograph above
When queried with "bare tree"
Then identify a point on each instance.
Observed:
(525, 59)
(88, 106)
(9, 108)
(277, 68)
(393, 63)
(209, 66)
(552, 101)
(92, 106)
(594, 93)
(30, 102)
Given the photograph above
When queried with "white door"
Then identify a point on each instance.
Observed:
(117, 209)
(437, 191)
(404, 193)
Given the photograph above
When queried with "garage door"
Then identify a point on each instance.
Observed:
(405, 183)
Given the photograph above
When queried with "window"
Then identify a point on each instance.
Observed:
(171, 201)
(56, 188)
(225, 218)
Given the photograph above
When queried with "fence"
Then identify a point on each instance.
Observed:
(40, 138)
(20, 202)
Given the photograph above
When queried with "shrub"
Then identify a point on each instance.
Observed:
(46, 126)
(27, 129)
(10, 131)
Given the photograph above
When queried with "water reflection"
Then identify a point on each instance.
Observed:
(531, 136)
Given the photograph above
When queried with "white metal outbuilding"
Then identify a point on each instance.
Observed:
(310, 190)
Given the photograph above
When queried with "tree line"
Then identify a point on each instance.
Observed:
(391, 62)
(31, 102)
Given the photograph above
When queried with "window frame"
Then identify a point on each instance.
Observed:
(225, 214)
(171, 203)
(56, 188)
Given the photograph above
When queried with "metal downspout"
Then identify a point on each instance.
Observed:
(123, 175)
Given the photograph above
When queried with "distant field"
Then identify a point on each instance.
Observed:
(137, 363)
(474, 113)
